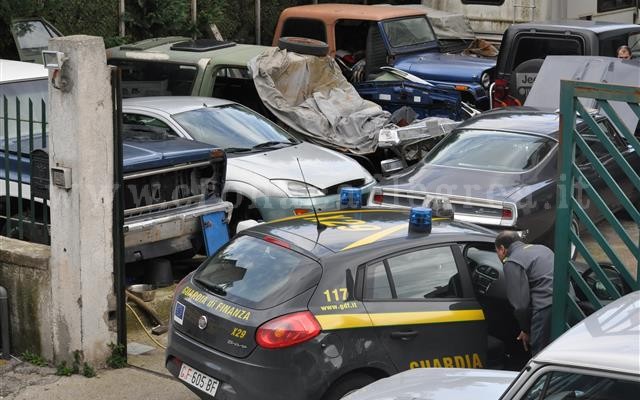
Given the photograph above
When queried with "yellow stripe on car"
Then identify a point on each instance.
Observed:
(307, 215)
(382, 234)
(348, 321)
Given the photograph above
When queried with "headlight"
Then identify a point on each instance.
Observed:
(297, 189)
(485, 80)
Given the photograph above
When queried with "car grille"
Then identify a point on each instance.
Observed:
(167, 188)
(335, 189)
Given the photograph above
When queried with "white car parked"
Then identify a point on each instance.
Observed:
(598, 359)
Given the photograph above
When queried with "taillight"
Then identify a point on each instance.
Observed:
(288, 330)
(500, 89)
(378, 198)
(276, 241)
(507, 213)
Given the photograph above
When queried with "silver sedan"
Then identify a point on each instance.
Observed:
(270, 174)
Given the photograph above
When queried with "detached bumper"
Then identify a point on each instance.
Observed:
(170, 231)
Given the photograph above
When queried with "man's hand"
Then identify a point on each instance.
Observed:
(524, 338)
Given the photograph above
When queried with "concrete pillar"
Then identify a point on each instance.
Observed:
(81, 139)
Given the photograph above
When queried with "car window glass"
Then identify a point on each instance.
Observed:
(565, 385)
(377, 282)
(236, 84)
(408, 31)
(230, 126)
(256, 273)
(137, 126)
(426, 273)
(490, 150)
(529, 48)
(304, 27)
(152, 78)
(32, 34)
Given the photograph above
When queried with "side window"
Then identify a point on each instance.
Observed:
(566, 385)
(236, 84)
(304, 27)
(422, 274)
(149, 78)
(137, 126)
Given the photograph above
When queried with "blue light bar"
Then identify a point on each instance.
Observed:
(420, 220)
(350, 197)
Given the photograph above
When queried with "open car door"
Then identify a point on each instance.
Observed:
(31, 36)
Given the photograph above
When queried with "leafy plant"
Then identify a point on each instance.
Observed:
(75, 366)
(34, 359)
(62, 369)
(88, 371)
(118, 357)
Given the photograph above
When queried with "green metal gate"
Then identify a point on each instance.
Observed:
(573, 184)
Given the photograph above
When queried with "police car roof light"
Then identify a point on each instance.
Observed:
(420, 220)
(350, 197)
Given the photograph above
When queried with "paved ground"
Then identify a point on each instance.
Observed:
(118, 384)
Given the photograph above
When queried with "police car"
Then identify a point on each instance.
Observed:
(318, 305)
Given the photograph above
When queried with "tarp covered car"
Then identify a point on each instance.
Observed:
(310, 95)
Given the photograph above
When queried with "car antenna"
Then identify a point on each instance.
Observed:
(304, 180)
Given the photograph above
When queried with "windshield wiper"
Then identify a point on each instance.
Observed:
(237, 149)
(273, 143)
(217, 289)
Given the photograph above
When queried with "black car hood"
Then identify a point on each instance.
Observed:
(456, 181)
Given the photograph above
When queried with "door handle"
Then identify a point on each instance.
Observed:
(405, 335)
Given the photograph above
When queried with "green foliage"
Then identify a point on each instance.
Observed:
(118, 357)
(88, 371)
(62, 369)
(34, 359)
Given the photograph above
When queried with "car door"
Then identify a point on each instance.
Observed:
(31, 36)
(422, 312)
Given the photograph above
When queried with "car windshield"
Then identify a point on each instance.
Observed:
(408, 31)
(490, 150)
(232, 127)
(258, 274)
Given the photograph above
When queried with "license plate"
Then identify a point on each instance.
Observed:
(198, 380)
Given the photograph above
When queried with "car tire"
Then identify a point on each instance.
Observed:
(302, 45)
(346, 385)
(527, 67)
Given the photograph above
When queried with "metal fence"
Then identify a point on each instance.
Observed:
(574, 183)
(23, 215)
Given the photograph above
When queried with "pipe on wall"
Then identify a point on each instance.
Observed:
(4, 323)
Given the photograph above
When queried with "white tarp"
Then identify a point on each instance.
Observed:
(311, 96)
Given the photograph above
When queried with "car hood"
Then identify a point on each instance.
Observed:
(445, 67)
(138, 155)
(316, 162)
(455, 181)
(438, 384)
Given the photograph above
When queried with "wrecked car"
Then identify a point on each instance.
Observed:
(170, 183)
(310, 96)
(397, 37)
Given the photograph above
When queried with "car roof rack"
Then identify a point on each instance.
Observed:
(202, 45)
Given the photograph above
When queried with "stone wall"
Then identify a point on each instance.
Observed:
(24, 272)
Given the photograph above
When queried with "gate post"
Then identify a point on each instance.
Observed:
(81, 148)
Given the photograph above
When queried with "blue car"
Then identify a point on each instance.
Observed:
(366, 39)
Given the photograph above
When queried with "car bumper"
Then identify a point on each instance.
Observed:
(272, 208)
(168, 232)
(248, 378)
